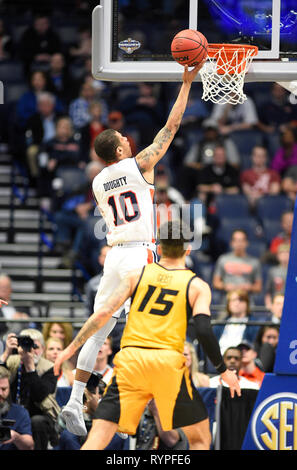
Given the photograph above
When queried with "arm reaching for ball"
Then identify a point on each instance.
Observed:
(150, 156)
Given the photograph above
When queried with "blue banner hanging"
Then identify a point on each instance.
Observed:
(273, 423)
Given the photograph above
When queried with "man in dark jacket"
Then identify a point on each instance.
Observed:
(219, 177)
(38, 42)
(19, 435)
(40, 129)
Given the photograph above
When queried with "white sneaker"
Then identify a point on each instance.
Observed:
(73, 416)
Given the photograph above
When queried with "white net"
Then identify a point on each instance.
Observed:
(223, 76)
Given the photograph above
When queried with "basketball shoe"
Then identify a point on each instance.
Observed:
(72, 414)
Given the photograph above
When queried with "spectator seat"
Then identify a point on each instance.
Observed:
(272, 207)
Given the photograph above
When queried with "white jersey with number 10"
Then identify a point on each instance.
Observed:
(125, 200)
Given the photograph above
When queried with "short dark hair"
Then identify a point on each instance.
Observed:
(41, 14)
(270, 327)
(287, 211)
(105, 145)
(260, 334)
(174, 235)
(241, 230)
(232, 347)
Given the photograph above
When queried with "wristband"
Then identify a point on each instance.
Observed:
(208, 340)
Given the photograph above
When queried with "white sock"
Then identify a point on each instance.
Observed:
(78, 390)
(87, 357)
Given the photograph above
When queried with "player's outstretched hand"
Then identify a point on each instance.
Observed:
(230, 377)
(189, 75)
(63, 356)
(3, 302)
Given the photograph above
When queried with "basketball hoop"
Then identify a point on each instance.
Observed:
(223, 76)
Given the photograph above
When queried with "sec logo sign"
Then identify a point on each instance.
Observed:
(274, 423)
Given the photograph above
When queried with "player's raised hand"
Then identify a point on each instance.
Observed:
(189, 75)
(63, 356)
(3, 302)
(230, 377)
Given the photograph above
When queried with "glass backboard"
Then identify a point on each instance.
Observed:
(131, 38)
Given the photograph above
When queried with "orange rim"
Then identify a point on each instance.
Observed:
(231, 48)
(227, 61)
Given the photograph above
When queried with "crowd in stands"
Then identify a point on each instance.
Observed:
(247, 149)
(32, 395)
(239, 162)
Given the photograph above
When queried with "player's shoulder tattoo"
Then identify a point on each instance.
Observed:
(146, 156)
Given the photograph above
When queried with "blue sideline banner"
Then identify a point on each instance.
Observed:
(273, 424)
(286, 356)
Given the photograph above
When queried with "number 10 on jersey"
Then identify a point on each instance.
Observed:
(125, 208)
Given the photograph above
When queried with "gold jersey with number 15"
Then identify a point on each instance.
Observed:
(159, 310)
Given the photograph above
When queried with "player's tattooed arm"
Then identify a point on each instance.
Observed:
(148, 157)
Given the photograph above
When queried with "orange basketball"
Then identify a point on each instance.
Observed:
(189, 47)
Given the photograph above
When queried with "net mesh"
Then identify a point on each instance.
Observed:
(223, 76)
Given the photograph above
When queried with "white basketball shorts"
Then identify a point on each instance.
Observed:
(120, 260)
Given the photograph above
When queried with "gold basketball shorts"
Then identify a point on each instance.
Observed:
(142, 374)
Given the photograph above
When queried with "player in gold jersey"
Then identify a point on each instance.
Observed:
(151, 363)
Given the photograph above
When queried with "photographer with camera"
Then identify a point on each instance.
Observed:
(92, 395)
(33, 384)
(15, 423)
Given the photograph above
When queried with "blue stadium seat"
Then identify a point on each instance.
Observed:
(245, 161)
(17, 31)
(217, 297)
(76, 71)
(271, 228)
(94, 230)
(258, 300)
(257, 248)
(265, 270)
(272, 207)
(13, 92)
(68, 34)
(11, 71)
(231, 205)
(246, 140)
(249, 224)
(206, 270)
(72, 178)
(209, 397)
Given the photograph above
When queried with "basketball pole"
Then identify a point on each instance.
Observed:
(273, 423)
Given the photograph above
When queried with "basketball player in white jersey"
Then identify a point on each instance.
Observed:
(124, 193)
